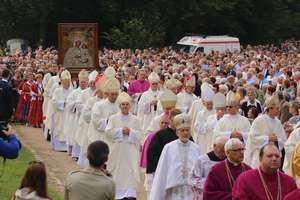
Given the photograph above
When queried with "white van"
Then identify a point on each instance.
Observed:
(207, 44)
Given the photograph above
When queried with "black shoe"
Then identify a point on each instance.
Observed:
(48, 136)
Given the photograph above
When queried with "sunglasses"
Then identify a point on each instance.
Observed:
(229, 106)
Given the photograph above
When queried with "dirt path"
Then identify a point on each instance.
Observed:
(59, 164)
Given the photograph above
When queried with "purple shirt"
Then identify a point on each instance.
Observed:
(217, 185)
(143, 162)
(137, 86)
(249, 185)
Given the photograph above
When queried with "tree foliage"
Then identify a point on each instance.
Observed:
(141, 23)
(135, 34)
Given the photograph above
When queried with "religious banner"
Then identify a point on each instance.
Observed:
(78, 46)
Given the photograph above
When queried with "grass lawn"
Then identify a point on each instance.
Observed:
(13, 173)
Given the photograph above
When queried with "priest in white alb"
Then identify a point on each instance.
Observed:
(265, 129)
(86, 116)
(232, 124)
(102, 110)
(219, 102)
(71, 117)
(197, 106)
(148, 104)
(59, 98)
(125, 133)
(52, 84)
(186, 97)
(81, 126)
(200, 134)
(172, 176)
(167, 100)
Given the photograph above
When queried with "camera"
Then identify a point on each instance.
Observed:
(3, 126)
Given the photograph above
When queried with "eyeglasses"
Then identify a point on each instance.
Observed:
(229, 106)
(236, 150)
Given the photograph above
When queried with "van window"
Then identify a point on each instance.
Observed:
(200, 49)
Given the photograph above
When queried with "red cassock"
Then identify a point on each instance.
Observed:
(35, 116)
(24, 101)
(249, 186)
(295, 195)
(220, 180)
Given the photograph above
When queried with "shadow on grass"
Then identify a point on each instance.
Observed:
(13, 172)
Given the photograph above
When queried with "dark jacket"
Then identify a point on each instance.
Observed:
(245, 107)
(6, 101)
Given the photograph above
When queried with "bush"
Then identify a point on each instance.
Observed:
(135, 34)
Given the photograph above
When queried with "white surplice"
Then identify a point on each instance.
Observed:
(100, 114)
(124, 156)
(82, 126)
(209, 127)
(145, 111)
(229, 123)
(45, 94)
(59, 99)
(52, 84)
(172, 176)
(86, 116)
(259, 133)
(71, 118)
(184, 101)
(196, 106)
(289, 148)
(201, 136)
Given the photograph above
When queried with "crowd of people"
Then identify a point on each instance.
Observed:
(220, 126)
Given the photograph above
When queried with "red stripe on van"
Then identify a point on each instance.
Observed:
(217, 42)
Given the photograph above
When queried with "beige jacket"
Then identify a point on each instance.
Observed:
(89, 184)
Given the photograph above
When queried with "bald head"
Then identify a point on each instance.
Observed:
(218, 147)
(221, 140)
(164, 121)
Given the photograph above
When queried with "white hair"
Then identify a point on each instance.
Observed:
(231, 142)
(221, 139)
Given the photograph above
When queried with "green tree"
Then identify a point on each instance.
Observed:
(135, 34)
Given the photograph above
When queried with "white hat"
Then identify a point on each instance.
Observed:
(232, 99)
(178, 83)
(93, 75)
(112, 85)
(171, 83)
(182, 121)
(100, 85)
(124, 97)
(207, 93)
(190, 82)
(272, 102)
(109, 72)
(219, 100)
(167, 99)
(83, 75)
(153, 77)
(65, 75)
